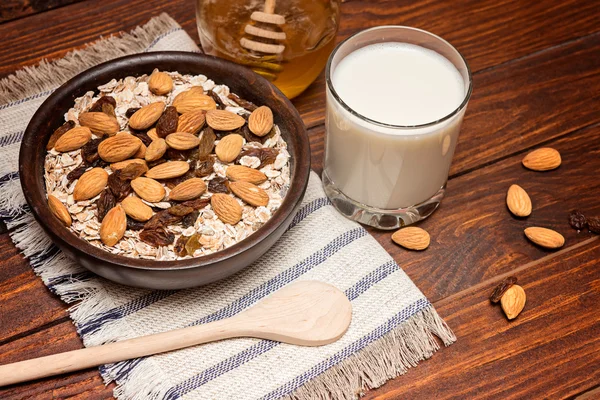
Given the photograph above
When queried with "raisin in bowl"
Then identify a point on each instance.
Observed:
(165, 170)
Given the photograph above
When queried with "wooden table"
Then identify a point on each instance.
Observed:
(536, 71)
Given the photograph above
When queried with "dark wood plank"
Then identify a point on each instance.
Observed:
(552, 350)
(13, 9)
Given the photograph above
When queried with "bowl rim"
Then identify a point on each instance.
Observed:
(299, 171)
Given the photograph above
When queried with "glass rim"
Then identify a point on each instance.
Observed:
(337, 97)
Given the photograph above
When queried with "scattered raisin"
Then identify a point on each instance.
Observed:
(119, 186)
(89, 151)
(61, 130)
(594, 224)
(266, 156)
(180, 210)
(76, 173)
(167, 123)
(171, 183)
(242, 103)
(134, 225)
(143, 136)
(193, 244)
(218, 185)
(131, 111)
(178, 155)
(196, 204)
(249, 136)
(109, 109)
(204, 166)
(217, 99)
(157, 162)
(105, 203)
(190, 219)
(132, 171)
(207, 142)
(162, 219)
(98, 105)
(501, 288)
(158, 236)
(577, 220)
(180, 246)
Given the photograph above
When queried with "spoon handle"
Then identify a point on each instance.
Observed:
(109, 353)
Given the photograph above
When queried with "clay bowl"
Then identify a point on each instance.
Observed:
(150, 273)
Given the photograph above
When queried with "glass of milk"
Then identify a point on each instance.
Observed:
(396, 97)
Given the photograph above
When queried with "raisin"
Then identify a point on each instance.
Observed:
(105, 203)
(594, 224)
(64, 128)
(143, 136)
(180, 210)
(131, 111)
(218, 185)
(204, 166)
(108, 109)
(178, 155)
(577, 220)
(76, 173)
(171, 183)
(89, 151)
(193, 244)
(242, 103)
(207, 142)
(167, 123)
(190, 219)
(157, 162)
(249, 136)
(161, 219)
(134, 225)
(157, 236)
(501, 288)
(217, 99)
(132, 171)
(180, 246)
(104, 100)
(266, 156)
(196, 204)
(119, 186)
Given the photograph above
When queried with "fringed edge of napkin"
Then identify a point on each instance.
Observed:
(48, 75)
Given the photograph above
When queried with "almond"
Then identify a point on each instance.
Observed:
(543, 159)
(168, 170)
(250, 193)
(156, 149)
(141, 153)
(245, 174)
(188, 190)
(99, 122)
(227, 208)
(518, 201)
(148, 189)
(146, 116)
(90, 184)
(160, 83)
(113, 226)
(193, 100)
(223, 120)
(74, 139)
(59, 210)
(545, 237)
(119, 147)
(191, 122)
(513, 301)
(261, 121)
(229, 147)
(122, 164)
(412, 238)
(182, 141)
(152, 134)
(136, 209)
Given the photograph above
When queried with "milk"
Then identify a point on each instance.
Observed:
(400, 85)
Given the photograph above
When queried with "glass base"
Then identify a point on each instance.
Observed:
(377, 217)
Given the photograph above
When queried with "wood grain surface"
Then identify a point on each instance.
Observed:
(536, 74)
(13, 9)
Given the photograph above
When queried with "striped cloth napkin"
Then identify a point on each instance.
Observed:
(393, 324)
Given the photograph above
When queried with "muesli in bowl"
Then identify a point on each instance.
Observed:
(165, 167)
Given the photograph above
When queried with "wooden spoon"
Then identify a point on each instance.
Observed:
(307, 313)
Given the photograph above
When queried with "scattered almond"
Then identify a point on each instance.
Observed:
(99, 122)
(168, 170)
(119, 147)
(113, 226)
(188, 190)
(250, 193)
(191, 122)
(227, 208)
(74, 139)
(156, 149)
(90, 184)
(412, 238)
(122, 164)
(545, 237)
(152, 134)
(146, 116)
(513, 301)
(136, 209)
(261, 121)
(223, 120)
(518, 201)
(182, 141)
(245, 174)
(543, 159)
(59, 210)
(192, 100)
(229, 147)
(160, 83)
(141, 153)
(148, 189)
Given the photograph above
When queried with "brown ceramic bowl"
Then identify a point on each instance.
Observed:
(164, 274)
